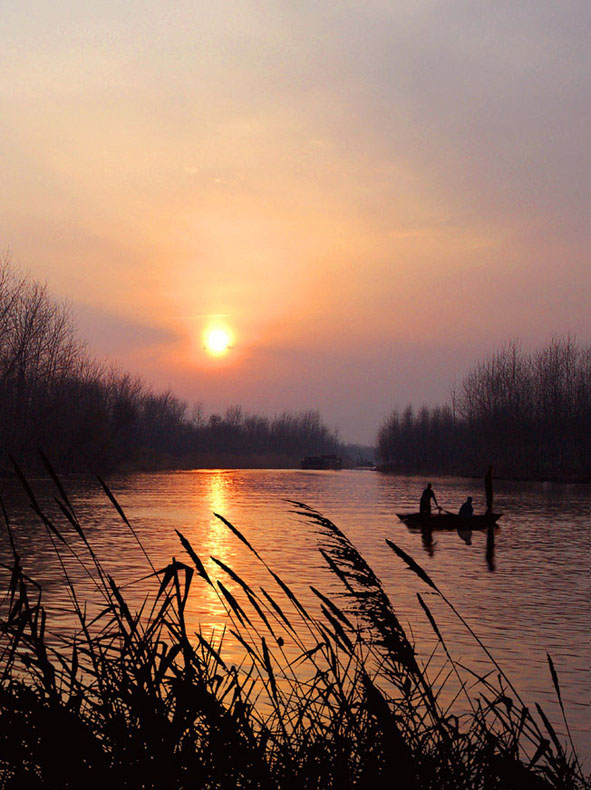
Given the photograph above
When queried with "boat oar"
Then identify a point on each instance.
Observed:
(449, 513)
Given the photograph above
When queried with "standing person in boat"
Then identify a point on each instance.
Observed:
(426, 497)
(467, 509)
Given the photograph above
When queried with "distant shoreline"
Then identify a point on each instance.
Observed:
(284, 463)
(567, 479)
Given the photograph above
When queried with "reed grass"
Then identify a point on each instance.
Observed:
(331, 698)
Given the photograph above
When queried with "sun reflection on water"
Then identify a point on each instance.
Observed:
(219, 494)
(207, 612)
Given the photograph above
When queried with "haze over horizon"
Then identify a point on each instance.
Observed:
(371, 196)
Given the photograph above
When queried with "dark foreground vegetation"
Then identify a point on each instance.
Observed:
(331, 698)
(529, 414)
(89, 416)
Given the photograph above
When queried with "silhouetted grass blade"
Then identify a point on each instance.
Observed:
(414, 566)
(193, 554)
(559, 695)
(238, 534)
(430, 617)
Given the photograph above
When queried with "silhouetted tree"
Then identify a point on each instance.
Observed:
(527, 413)
(89, 416)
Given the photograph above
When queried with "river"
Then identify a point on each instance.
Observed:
(527, 596)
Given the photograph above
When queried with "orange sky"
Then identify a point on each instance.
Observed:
(371, 195)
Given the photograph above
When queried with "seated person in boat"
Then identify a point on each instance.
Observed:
(426, 497)
(467, 509)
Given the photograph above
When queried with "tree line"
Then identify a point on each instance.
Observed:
(90, 416)
(527, 413)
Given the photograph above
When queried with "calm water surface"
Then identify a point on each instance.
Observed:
(528, 596)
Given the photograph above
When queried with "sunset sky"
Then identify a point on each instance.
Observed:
(369, 195)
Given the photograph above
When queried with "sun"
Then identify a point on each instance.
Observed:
(218, 340)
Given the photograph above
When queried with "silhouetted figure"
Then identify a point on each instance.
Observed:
(488, 487)
(467, 509)
(426, 497)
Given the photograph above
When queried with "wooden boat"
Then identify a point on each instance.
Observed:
(443, 519)
(449, 520)
(321, 462)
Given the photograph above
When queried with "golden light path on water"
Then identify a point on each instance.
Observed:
(218, 544)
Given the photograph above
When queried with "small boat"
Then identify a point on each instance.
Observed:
(443, 519)
(449, 520)
(321, 462)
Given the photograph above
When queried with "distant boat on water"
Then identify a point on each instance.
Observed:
(446, 520)
(449, 520)
(331, 461)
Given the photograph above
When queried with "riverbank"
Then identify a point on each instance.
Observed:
(150, 462)
(558, 477)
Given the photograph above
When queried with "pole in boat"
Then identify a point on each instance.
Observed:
(488, 487)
